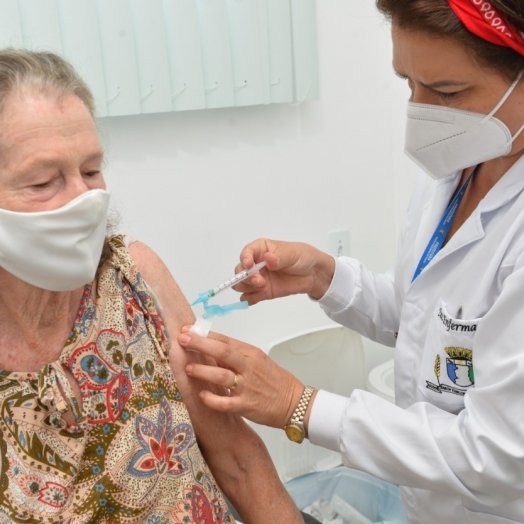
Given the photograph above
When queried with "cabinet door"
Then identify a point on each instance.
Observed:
(81, 45)
(216, 53)
(145, 56)
(10, 29)
(280, 50)
(40, 25)
(119, 58)
(247, 52)
(151, 53)
(304, 24)
(184, 54)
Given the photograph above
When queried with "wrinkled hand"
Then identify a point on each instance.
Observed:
(266, 393)
(292, 268)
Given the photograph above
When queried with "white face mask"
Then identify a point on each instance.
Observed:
(442, 140)
(56, 250)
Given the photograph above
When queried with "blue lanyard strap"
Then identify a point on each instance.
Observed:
(439, 236)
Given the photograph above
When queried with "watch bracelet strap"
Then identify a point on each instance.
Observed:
(300, 411)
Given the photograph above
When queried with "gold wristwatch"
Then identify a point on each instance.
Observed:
(295, 430)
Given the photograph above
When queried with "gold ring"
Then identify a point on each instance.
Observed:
(235, 383)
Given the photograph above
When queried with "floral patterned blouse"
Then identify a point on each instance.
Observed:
(132, 456)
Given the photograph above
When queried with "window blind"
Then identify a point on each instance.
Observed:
(147, 56)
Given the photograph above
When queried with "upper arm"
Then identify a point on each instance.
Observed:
(174, 307)
(176, 313)
(235, 454)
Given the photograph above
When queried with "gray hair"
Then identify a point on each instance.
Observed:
(42, 72)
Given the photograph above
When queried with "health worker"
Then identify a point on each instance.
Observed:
(454, 309)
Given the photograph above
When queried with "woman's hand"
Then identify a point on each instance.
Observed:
(292, 268)
(266, 393)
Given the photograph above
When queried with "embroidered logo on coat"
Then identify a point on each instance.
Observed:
(459, 366)
(459, 369)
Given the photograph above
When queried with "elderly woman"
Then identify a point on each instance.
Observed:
(98, 420)
(455, 308)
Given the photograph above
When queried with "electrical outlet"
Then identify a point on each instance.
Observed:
(338, 242)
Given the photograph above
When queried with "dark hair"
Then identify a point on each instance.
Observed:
(437, 18)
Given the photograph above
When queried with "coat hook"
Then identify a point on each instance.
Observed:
(211, 89)
(149, 93)
(178, 93)
(241, 86)
(109, 100)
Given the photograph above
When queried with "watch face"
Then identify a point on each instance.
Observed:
(295, 433)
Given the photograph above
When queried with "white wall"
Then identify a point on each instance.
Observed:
(197, 186)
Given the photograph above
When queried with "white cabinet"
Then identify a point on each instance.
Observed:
(145, 56)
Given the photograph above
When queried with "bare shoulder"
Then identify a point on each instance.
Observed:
(176, 312)
(156, 274)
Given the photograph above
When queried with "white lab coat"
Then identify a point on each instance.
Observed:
(455, 440)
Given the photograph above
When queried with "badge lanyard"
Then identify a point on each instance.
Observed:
(437, 240)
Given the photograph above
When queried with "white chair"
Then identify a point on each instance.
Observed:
(330, 358)
(381, 380)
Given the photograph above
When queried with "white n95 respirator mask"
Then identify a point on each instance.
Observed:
(442, 140)
(56, 250)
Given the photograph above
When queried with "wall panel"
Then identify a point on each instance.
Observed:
(40, 25)
(184, 54)
(151, 53)
(246, 52)
(304, 23)
(216, 53)
(10, 29)
(119, 58)
(146, 56)
(280, 51)
(81, 45)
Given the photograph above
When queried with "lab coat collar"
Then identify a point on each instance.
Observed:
(506, 189)
(503, 192)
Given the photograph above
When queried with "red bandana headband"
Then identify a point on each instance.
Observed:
(483, 20)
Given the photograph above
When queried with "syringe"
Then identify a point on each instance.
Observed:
(239, 277)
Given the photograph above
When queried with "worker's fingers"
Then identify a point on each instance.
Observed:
(219, 376)
(230, 404)
(254, 282)
(215, 345)
(266, 393)
(254, 297)
(261, 250)
(253, 252)
(258, 287)
(269, 257)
